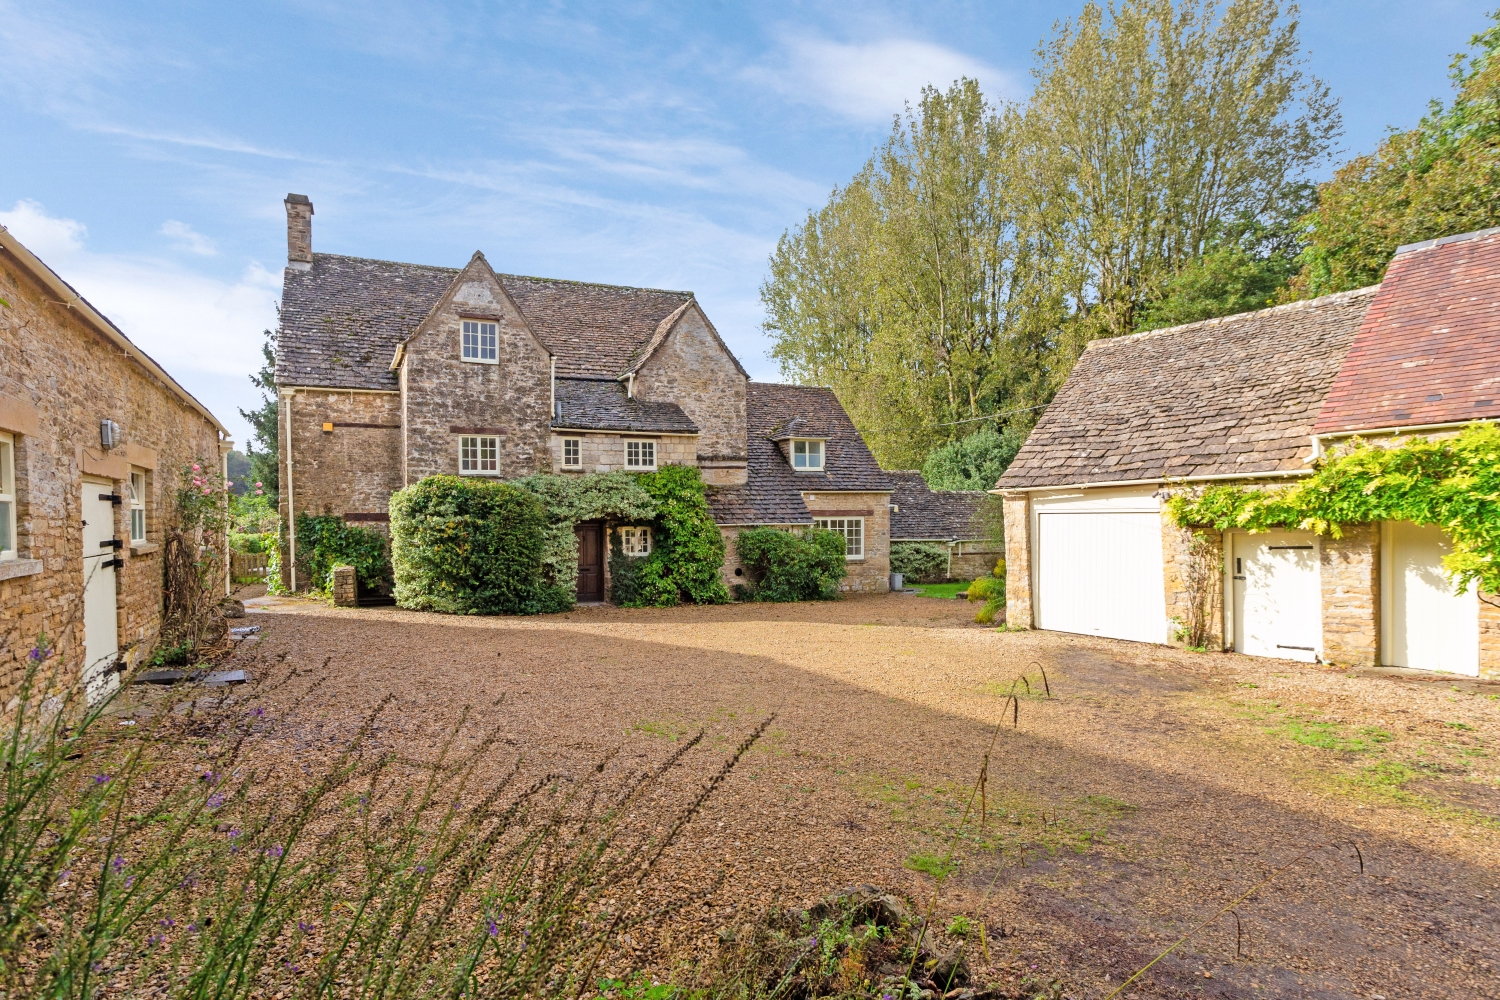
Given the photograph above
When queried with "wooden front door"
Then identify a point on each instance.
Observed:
(101, 636)
(590, 562)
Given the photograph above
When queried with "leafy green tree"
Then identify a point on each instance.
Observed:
(1245, 268)
(1437, 179)
(264, 421)
(972, 463)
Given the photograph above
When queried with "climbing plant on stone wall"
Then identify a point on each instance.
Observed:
(612, 496)
(1451, 482)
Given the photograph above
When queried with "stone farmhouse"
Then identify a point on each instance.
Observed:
(949, 518)
(389, 372)
(1254, 399)
(92, 433)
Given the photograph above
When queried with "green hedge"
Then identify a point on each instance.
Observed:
(791, 566)
(468, 546)
(325, 541)
(687, 549)
(920, 561)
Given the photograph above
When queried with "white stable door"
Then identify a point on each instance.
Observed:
(101, 635)
(1278, 600)
(1099, 570)
(1430, 626)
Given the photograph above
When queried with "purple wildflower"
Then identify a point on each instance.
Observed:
(233, 834)
(304, 926)
(63, 875)
(421, 869)
(103, 779)
(169, 922)
(274, 851)
(215, 800)
(494, 929)
(129, 881)
(117, 864)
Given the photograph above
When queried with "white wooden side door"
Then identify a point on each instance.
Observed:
(101, 636)
(1099, 566)
(1278, 598)
(1430, 626)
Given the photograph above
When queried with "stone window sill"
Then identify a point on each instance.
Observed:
(12, 568)
(143, 549)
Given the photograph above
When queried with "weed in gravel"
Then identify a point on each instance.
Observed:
(1331, 735)
(931, 864)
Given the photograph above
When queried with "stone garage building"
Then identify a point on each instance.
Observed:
(92, 433)
(1252, 399)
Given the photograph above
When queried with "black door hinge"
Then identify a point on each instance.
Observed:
(113, 562)
(114, 498)
(113, 543)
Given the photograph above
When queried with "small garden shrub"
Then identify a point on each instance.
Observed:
(923, 562)
(791, 566)
(990, 590)
(687, 551)
(325, 541)
(468, 546)
(614, 496)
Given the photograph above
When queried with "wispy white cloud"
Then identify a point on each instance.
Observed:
(187, 238)
(871, 81)
(203, 329)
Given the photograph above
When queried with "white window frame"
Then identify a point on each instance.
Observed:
(644, 450)
(136, 487)
(635, 541)
(853, 530)
(8, 495)
(471, 455)
(577, 444)
(481, 341)
(808, 446)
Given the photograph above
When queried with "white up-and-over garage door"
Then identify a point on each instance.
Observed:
(1097, 564)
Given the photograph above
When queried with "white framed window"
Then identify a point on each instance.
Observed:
(478, 456)
(481, 342)
(640, 454)
(635, 541)
(572, 453)
(137, 506)
(807, 456)
(7, 497)
(853, 530)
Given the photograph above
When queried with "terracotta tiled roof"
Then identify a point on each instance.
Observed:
(773, 494)
(601, 405)
(931, 515)
(1230, 396)
(342, 319)
(1429, 349)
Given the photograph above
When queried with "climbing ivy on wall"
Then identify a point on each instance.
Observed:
(615, 496)
(325, 541)
(687, 551)
(1453, 483)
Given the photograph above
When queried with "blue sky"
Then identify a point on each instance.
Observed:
(147, 147)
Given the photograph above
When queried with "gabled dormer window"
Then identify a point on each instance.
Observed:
(481, 342)
(807, 455)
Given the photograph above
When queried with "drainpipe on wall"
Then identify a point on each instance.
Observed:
(291, 496)
(552, 390)
(228, 559)
(630, 386)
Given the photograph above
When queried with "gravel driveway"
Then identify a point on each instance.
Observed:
(1153, 786)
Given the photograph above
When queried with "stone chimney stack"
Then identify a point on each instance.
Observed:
(299, 213)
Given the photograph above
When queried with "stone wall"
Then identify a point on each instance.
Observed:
(1350, 571)
(1489, 636)
(693, 369)
(974, 559)
(1018, 611)
(60, 378)
(872, 574)
(605, 452)
(444, 397)
(345, 449)
(1176, 566)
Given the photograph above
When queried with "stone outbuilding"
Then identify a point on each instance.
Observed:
(950, 518)
(389, 372)
(92, 435)
(1254, 399)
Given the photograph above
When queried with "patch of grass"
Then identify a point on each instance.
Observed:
(1110, 806)
(665, 730)
(1330, 735)
(1246, 684)
(1460, 725)
(946, 591)
(930, 864)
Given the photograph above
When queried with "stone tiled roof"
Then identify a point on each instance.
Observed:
(1231, 396)
(928, 514)
(1429, 349)
(773, 494)
(342, 319)
(601, 405)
